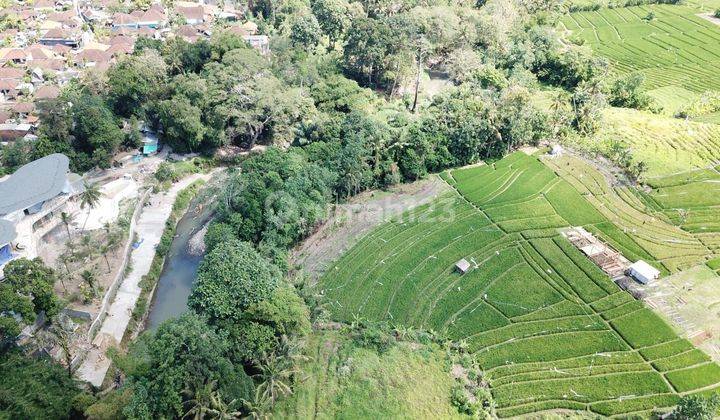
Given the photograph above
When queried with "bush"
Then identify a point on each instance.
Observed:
(165, 172)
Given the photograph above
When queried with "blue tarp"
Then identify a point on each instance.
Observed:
(5, 254)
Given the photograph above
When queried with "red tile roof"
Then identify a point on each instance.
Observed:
(9, 84)
(11, 73)
(15, 54)
(47, 92)
(23, 107)
(195, 13)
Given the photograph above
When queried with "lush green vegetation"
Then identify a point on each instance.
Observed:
(549, 327)
(674, 48)
(352, 381)
(664, 144)
(38, 388)
(341, 105)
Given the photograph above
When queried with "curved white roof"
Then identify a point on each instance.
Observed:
(35, 182)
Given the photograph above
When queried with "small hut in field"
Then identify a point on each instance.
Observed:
(462, 266)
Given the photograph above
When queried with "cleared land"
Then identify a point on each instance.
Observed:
(674, 49)
(350, 221)
(550, 328)
(693, 297)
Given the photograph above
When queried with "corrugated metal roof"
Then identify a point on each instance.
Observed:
(7, 232)
(33, 183)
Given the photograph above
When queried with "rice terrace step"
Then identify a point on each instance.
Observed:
(549, 327)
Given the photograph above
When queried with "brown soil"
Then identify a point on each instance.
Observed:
(350, 221)
(69, 288)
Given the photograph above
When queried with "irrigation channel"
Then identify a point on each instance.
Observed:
(181, 264)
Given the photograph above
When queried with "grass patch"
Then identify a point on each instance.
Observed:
(354, 382)
(695, 377)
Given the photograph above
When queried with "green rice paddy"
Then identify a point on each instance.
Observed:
(665, 144)
(674, 49)
(550, 328)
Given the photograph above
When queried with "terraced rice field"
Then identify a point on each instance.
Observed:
(551, 329)
(667, 145)
(691, 200)
(676, 48)
(638, 227)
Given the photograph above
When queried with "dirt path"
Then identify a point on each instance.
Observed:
(149, 229)
(351, 221)
(709, 17)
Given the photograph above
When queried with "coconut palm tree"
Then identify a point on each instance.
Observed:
(207, 402)
(104, 249)
(90, 197)
(275, 373)
(67, 218)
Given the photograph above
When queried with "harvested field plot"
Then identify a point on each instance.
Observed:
(548, 326)
(675, 48)
(692, 298)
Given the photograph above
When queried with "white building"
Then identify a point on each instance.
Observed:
(29, 199)
(643, 272)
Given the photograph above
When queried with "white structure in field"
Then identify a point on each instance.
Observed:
(462, 266)
(107, 209)
(643, 272)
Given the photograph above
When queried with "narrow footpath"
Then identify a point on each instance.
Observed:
(149, 229)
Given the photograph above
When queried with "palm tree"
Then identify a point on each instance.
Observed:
(67, 219)
(258, 409)
(207, 402)
(113, 241)
(104, 249)
(90, 197)
(56, 335)
(64, 259)
(274, 373)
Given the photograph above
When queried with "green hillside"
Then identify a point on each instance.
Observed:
(550, 328)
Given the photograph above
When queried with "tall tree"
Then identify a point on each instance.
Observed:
(34, 280)
(168, 367)
(333, 17)
(135, 81)
(90, 197)
(66, 219)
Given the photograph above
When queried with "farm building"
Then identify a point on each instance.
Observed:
(462, 266)
(643, 272)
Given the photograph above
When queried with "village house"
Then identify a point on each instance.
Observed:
(193, 15)
(153, 18)
(47, 92)
(60, 37)
(124, 20)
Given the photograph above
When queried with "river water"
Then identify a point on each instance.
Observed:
(180, 269)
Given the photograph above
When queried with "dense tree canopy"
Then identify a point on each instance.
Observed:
(173, 366)
(37, 388)
(232, 277)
